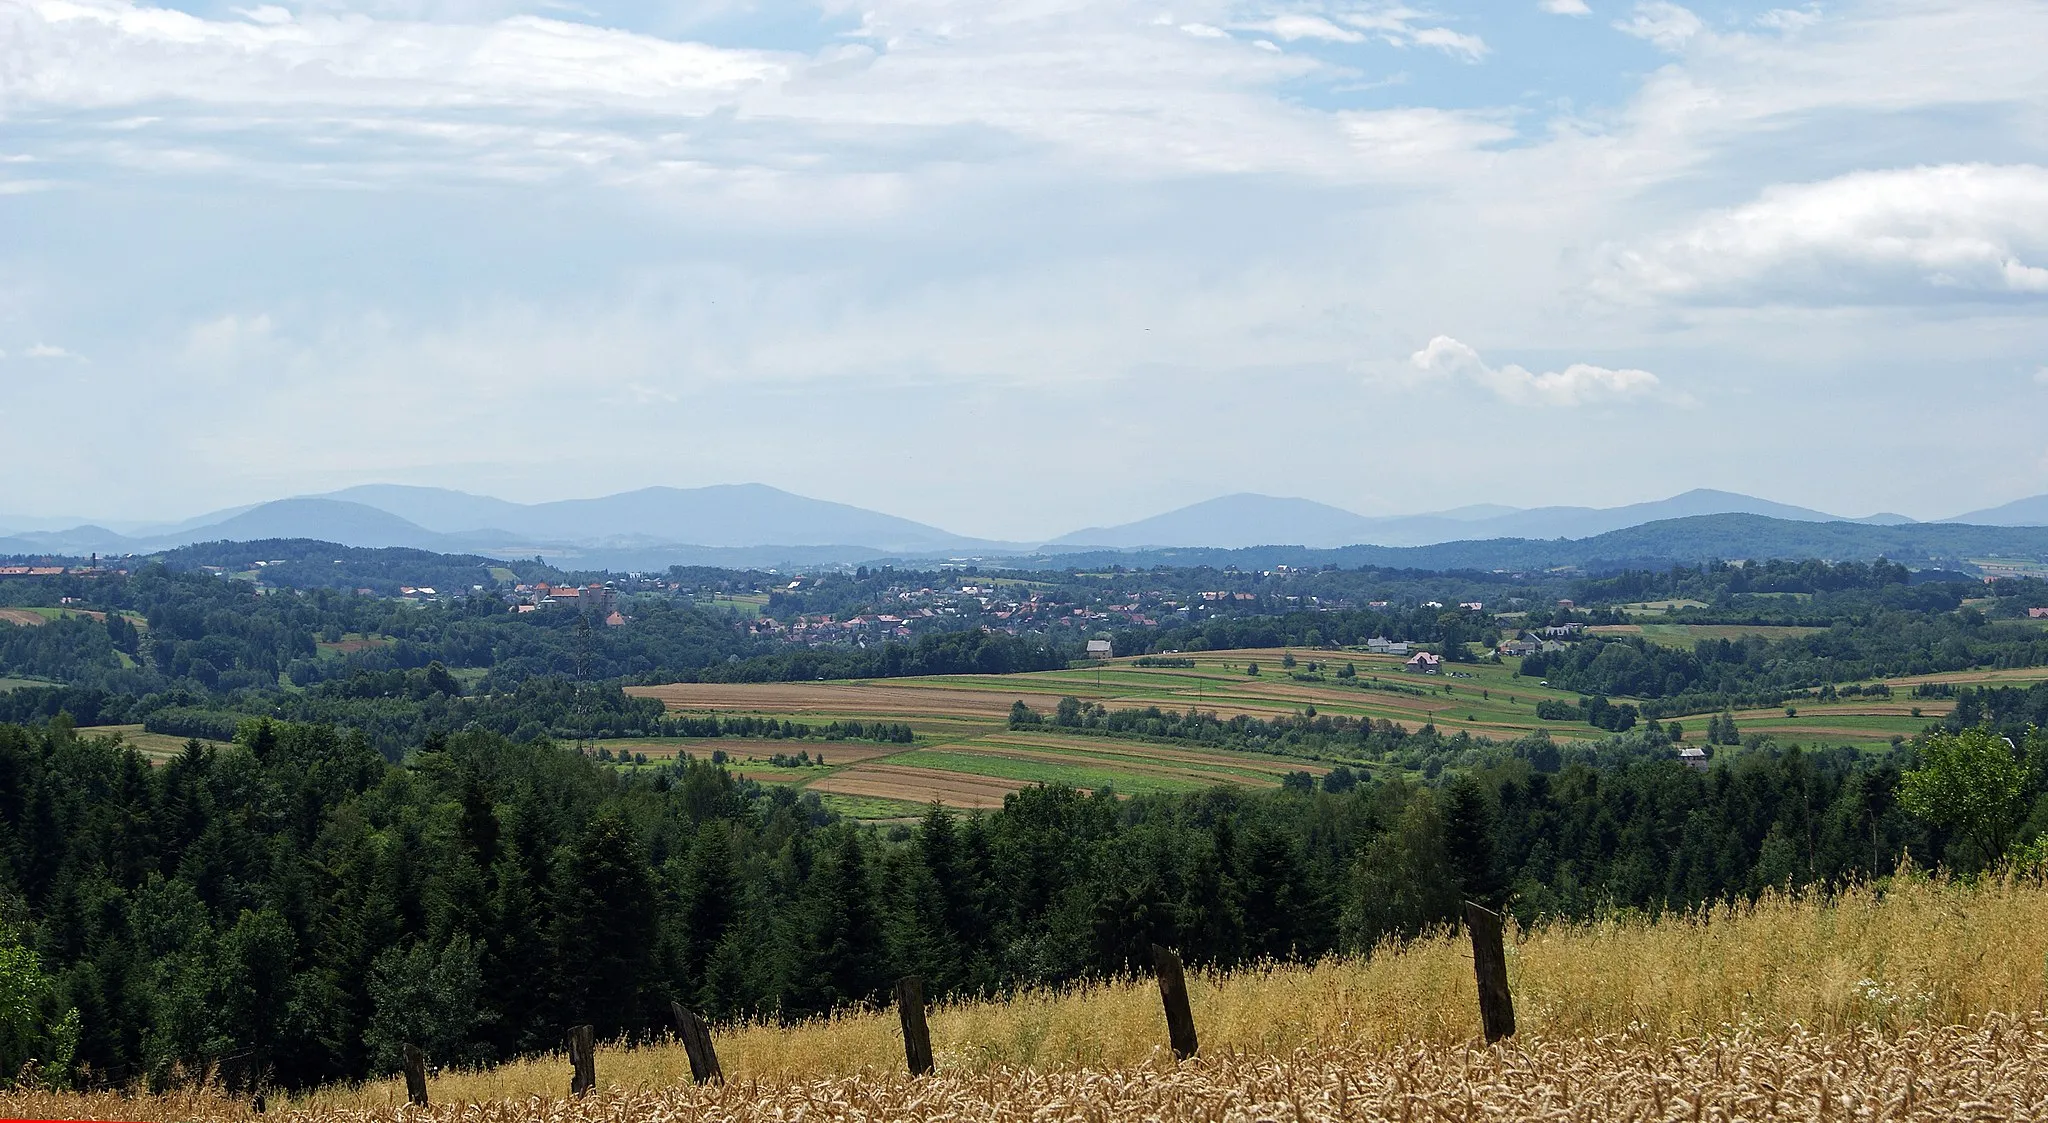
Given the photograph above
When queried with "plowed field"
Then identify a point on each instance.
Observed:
(919, 785)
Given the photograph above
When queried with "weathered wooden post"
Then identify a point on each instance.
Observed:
(917, 1037)
(415, 1076)
(582, 1060)
(696, 1037)
(1173, 994)
(1490, 966)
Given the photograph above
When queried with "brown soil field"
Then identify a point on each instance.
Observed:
(23, 617)
(839, 698)
(1131, 764)
(919, 785)
(2009, 676)
(1139, 750)
(1795, 728)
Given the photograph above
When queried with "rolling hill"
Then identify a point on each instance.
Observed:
(2032, 511)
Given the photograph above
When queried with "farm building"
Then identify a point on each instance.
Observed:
(1692, 756)
(1520, 647)
(1380, 645)
(1098, 649)
(1426, 662)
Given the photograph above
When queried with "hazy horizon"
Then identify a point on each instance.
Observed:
(1014, 271)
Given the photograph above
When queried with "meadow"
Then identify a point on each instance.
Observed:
(157, 747)
(1922, 999)
(967, 756)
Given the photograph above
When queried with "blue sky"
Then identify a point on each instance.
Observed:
(1015, 268)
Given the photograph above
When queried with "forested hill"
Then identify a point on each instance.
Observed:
(296, 902)
(1656, 545)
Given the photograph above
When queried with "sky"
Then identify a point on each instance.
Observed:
(1014, 267)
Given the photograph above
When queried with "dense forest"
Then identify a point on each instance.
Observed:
(300, 904)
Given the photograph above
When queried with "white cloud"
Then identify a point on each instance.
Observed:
(85, 53)
(1469, 47)
(1577, 384)
(222, 342)
(1663, 23)
(1293, 27)
(1790, 19)
(1421, 137)
(1566, 7)
(50, 351)
(1402, 26)
(1865, 237)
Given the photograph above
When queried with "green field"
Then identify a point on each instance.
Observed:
(746, 604)
(1684, 636)
(7, 684)
(966, 754)
(156, 746)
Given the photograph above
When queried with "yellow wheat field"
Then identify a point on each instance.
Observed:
(1994, 1070)
(1803, 998)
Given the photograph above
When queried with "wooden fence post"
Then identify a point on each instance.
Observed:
(917, 1037)
(1173, 994)
(582, 1047)
(696, 1037)
(1490, 966)
(415, 1075)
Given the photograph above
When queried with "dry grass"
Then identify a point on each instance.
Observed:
(1925, 1001)
(1995, 1069)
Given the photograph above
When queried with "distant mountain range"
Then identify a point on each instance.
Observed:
(1691, 540)
(1236, 521)
(757, 525)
